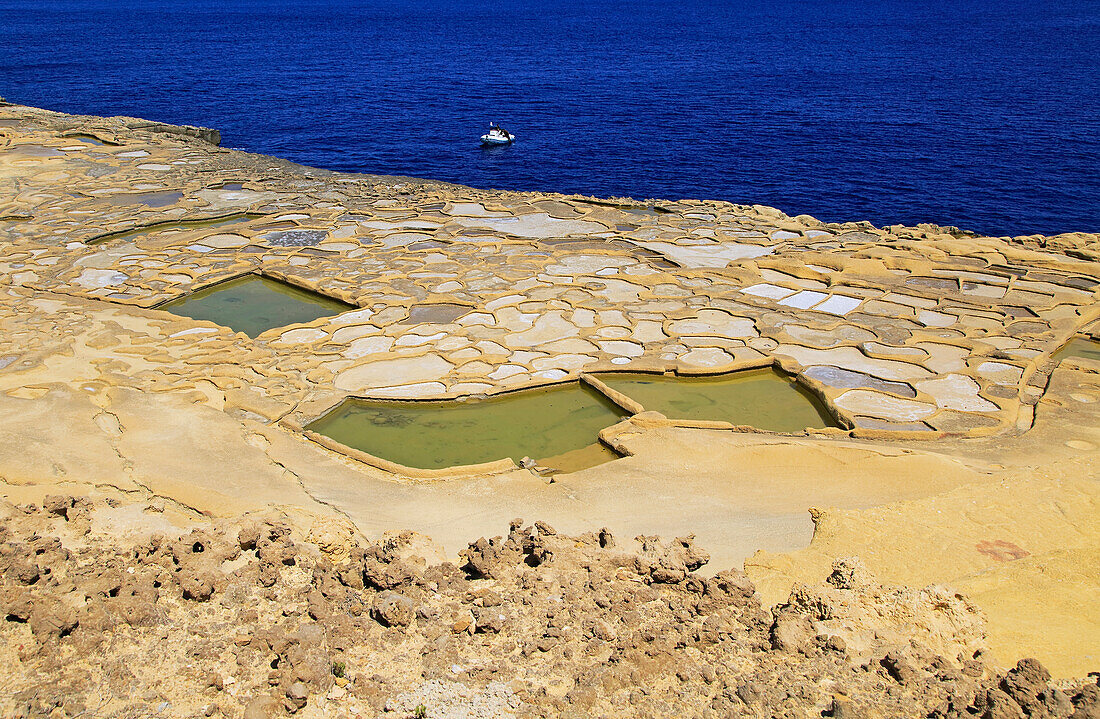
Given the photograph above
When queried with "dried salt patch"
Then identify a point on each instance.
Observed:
(471, 387)
(1000, 372)
(411, 340)
(822, 270)
(507, 370)
(706, 357)
(421, 389)
(958, 392)
(714, 323)
(74, 245)
(133, 153)
(305, 334)
(839, 304)
(504, 302)
(402, 239)
(448, 287)
(198, 248)
(620, 360)
(553, 374)
(477, 318)
(193, 331)
(713, 256)
(534, 225)
(928, 318)
(472, 209)
(349, 318)
(852, 359)
(764, 289)
(872, 423)
(910, 300)
(292, 216)
(818, 233)
(876, 404)
(621, 348)
(225, 241)
(338, 246)
(365, 346)
(978, 289)
(803, 300)
(784, 235)
(154, 166)
(94, 279)
(345, 335)
(421, 368)
(401, 225)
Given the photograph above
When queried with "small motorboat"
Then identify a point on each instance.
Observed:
(497, 136)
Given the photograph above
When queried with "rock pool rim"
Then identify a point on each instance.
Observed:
(806, 386)
(646, 207)
(262, 274)
(1066, 347)
(604, 437)
(184, 225)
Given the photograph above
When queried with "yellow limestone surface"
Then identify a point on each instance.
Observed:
(932, 344)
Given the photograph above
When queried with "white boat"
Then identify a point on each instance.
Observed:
(497, 136)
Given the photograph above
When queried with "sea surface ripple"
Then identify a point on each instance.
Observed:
(979, 113)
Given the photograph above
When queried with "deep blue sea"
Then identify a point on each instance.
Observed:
(978, 113)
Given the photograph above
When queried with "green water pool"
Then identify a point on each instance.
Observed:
(557, 426)
(764, 398)
(1079, 347)
(255, 304)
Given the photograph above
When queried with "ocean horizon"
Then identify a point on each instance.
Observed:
(977, 114)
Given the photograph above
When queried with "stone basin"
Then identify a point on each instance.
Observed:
(1079, 347)
(557, 426)
(157, 228)
(254, 304)
(761, 398)
(149, 199)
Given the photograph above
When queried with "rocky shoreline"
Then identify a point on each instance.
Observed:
(247, 618)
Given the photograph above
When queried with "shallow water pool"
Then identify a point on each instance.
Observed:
(255, 304)
(763, 398)
(1079, 347)
(557, 426)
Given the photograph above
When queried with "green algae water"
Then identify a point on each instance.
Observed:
(255, 304)
(1079, 347)
(556, 426)
(763, 398)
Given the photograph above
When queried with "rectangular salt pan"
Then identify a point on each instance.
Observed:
(804, 300)
(763, 289)
(839, 304)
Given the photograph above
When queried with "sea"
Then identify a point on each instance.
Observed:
(983, 114)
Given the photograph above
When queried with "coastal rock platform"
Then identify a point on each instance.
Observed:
(964, 454)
